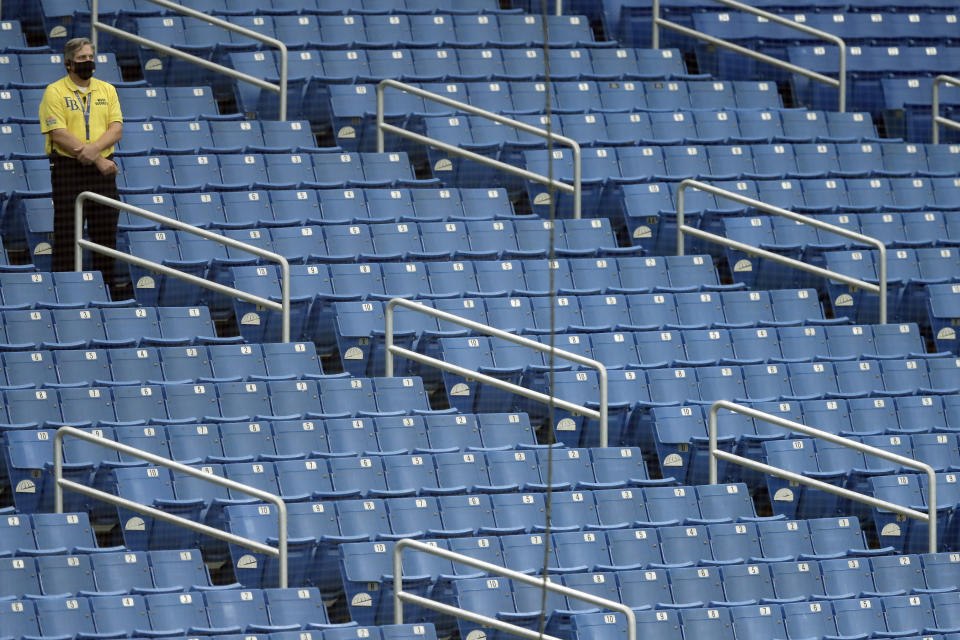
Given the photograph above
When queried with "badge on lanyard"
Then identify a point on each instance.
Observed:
(86, 111)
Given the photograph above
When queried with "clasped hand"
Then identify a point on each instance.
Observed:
(89, 154)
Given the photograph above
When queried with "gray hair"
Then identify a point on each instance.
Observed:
(70, 49)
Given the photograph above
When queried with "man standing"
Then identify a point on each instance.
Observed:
(81, 118)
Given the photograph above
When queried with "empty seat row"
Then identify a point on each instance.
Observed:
(405, 241)
(670, 127)
(906, 615)
(111, 326)
(626, 164)
(320, 7)
(148, 174)
(648, 208)
(321, 526)
(907, 110)
(324, 285)
(724, 586)
(322, 206)
(214, 611)
(351, 105)
(867, 34)
(939, 450)
(533, 276)
(908, 271)
(737, 583)
(631, 23)
(850, 468)
(466, 63)
(593, 318)
(914, 490)
(420, 30)
(276, 439)
(25, 289)
(14, 177)
(907, 229)
(708, 347)
(330, 523)
(104, 571)
(613, 552)
(603, 312)
(30, 451)
(213, 136)
(818, 195)
(36, 70)
(795, 346)
(900, 93)
(679, 434)
(856, 28)
(323, 531)
(636, 395)
(269, 207)
(313, 71)
(185, 402)
(151, 364)
(503, 472)
(139, 103)
(785, 160)
(45, 533)
(506, 96)
(684, 381)
(316, 287)
(867, 64)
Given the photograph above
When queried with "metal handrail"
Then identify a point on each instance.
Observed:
(482, 159)
(840, 82)
(280, 88)
(937, 118)
(81, 243)
(400, 596)
(930, 517)
(880, 288)
(479, 327)
(280, 551)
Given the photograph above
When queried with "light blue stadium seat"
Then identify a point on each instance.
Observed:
(20, 577)
(179, 612)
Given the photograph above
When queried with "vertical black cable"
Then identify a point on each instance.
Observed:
(551, 256)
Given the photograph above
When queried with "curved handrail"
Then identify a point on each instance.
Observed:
(280, 88)
(479, 327)
(930, 517)
(400, 596)
(81, 243)
(840, 81)
(60, 483)
(880, 288)
(382, 126)
(935, 104)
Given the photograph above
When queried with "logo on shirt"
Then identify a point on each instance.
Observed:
(101, 102)
(51, 121)
(72, 104)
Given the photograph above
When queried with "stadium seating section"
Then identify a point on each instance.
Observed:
(361, 459)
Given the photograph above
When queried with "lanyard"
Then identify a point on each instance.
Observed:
(86, 110)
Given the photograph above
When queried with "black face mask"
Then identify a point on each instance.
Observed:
(84, 70)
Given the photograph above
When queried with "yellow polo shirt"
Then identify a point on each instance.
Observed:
(64, 107)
